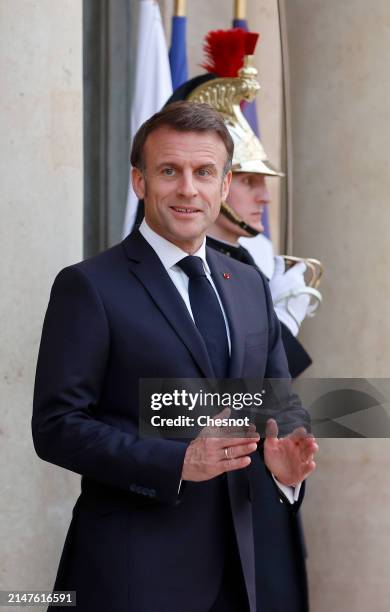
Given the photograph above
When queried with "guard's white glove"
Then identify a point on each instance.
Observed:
(290, 309)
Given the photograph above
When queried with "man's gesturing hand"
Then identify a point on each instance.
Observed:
(289, 459)
(213, 452)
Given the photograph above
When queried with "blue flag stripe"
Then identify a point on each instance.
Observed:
(178, 52)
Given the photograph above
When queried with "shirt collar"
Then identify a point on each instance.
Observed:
(169, 253)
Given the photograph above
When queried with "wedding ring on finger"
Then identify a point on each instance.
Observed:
(227, 456)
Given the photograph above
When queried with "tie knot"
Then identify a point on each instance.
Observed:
(192, 266)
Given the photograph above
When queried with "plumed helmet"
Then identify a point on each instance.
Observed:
(230, 81)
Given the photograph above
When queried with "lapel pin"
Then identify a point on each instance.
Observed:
(226, 275)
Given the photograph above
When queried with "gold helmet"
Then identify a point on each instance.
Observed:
(231, 80)
(225, 95)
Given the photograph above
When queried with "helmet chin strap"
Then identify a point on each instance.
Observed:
(231, 214)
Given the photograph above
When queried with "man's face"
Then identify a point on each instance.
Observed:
(248, 195)
(182, 184)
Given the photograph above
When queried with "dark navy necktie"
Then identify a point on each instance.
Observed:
(207, 314)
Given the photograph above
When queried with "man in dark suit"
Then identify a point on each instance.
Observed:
(162, 525)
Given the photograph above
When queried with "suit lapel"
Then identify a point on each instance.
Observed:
(226, 283)
(147, 267)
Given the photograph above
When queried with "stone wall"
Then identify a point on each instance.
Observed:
(40, 232)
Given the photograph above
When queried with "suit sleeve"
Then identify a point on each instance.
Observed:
(286, 408)
(293, 508)
(70, 375)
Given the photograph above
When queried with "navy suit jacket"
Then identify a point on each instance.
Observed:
(133, 543)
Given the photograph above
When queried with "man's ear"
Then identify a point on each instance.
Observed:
(138, 182)
(227, 179)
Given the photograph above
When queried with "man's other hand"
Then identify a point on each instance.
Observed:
(289, 459)
(214, 452)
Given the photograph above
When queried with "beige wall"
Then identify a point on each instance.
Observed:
(340, 94)
(41, 231)
(341, 133)
(347, 526)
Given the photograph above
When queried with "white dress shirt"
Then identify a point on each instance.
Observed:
(169, 255)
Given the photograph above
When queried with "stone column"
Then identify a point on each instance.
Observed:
(340, 94)
(40, 233)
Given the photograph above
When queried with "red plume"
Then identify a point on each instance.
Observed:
(225, 50)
